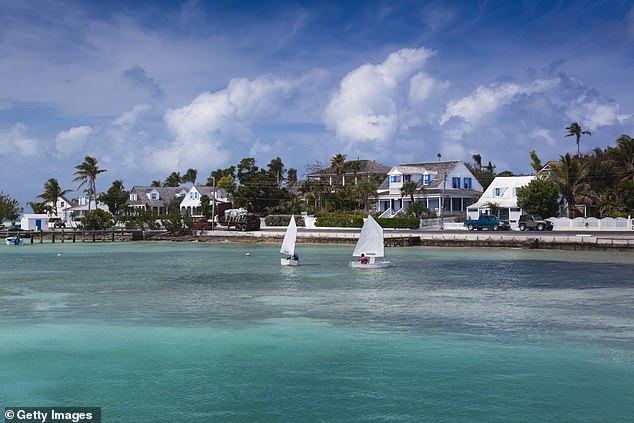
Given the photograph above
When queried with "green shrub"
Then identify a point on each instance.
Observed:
(340, 221)
(399, 222)
(282, 220)
(356, 221)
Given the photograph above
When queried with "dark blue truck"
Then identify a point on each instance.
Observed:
(487, 221)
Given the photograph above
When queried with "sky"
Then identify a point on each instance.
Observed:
(152, 87)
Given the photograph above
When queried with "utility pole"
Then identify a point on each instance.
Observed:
(442, 201)
(213, 203)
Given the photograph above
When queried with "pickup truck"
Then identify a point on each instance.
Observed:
(486, 221)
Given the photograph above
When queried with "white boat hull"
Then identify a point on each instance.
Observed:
(375, 265)
(12, 241)
(289, 262)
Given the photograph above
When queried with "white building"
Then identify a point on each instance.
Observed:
(191, 202)
(503, 193)
(449, 183)
(34, 222)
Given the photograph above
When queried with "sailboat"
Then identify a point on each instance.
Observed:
(370, 247)
(288, 245)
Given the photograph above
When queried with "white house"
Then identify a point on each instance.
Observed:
(34, 222)
(156, 199)
(503, 193)
(71, 211)
(191, 202)
(448, 183)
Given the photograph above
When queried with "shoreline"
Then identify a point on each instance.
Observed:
(485, 239)
(531, 240)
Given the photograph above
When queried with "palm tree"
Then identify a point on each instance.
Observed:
(173, 180)
(625, 156)
(156, 183)
(570, 174)
(276, 168)
(337, 161)
(575, 129)
(190, 176)
(409, 188)
(87, 173)
(52, 192)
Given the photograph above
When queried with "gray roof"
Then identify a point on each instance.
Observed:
(166, 194)
(440, 168)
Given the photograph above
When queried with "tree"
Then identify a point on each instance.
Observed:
(97, 220)
(173, 180)
(276, 167)
(539, 197)
(570, 177)
(156, 183)
(409, 188)
(115, 198)
(190, 176)
(575, 130)
(87, 174)
(536, 164)
(37, 207)
(291, 176)
(9, 207)
(52, 192)
(337, 161)
(205, 205)
(625, 157)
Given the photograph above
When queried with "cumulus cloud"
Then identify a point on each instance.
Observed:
(207, 130)
(487, 99)
(369, 103)
(131, 117)
(16, 141)
(68, 142)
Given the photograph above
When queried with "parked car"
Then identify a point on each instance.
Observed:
(532, 222)
(487, 221)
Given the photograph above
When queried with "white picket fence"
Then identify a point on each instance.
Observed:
(592, 223)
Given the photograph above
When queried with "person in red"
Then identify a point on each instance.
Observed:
(363, 259)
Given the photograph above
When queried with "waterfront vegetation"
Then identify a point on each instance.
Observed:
(598, 184)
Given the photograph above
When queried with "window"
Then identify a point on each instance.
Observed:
(467, 183)
(396, 178)
(133, 197)
(498, 192)
(426, 179)
(154, 196)
(407, 178)
(455, 182)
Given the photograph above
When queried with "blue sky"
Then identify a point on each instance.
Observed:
(150, 87)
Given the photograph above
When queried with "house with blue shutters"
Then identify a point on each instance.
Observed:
(448, 185)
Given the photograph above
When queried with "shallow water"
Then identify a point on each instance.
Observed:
(202, 332)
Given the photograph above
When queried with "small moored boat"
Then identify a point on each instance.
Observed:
(14, 240)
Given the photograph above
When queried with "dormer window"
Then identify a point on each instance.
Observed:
(407, 178)
(425, 179)
(455, 182)
(133, 197)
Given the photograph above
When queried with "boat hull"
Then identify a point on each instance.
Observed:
(375, 265)
(13, 241)
(289, 262)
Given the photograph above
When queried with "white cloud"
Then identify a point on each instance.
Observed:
(5, 105)
(368, 104)
(488, 99)
(16, 141)
(131, 117)
(68, 142)
(215, 124)
(595, 113)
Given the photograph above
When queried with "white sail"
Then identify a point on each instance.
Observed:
(288, 245)
(370, 240)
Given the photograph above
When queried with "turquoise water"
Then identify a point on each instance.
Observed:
(202, 332)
